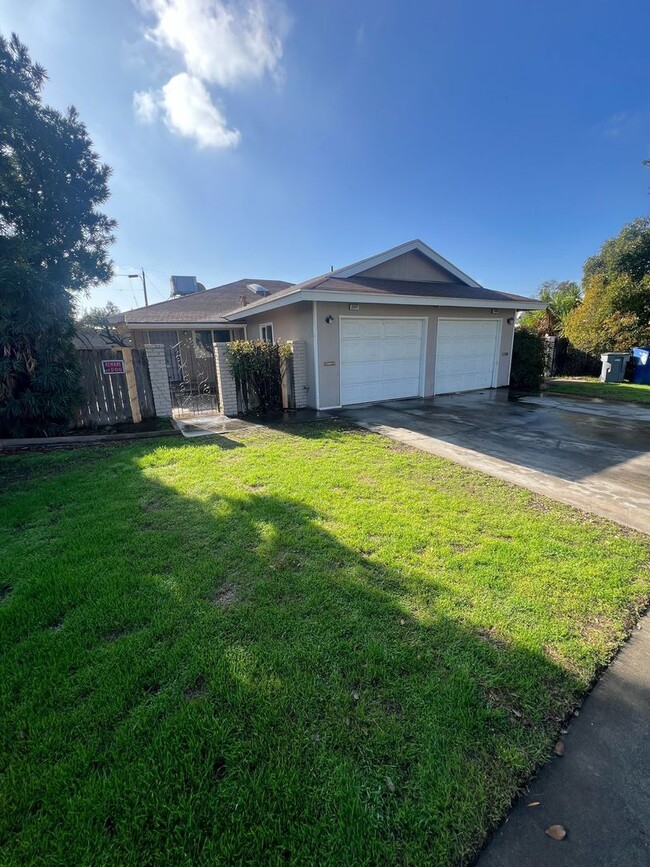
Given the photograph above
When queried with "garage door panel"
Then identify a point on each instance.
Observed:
(353, 350)
(402, 328)
(394, 350)
(466, 354)
(464, 364)
(381, 359)
(403, 370)
(359, 372)
(376, 371)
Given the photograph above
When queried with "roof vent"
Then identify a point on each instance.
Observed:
(262, 291)
(182, 286)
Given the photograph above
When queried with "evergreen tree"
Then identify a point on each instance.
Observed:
(53, 244)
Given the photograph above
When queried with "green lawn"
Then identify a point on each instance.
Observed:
(309, 646)
(588, 387)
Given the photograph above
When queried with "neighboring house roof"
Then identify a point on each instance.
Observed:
(199, 308)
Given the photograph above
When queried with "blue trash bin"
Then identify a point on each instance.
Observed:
(641, 374)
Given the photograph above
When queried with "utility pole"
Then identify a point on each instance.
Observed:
(141, 276)
(144, 287)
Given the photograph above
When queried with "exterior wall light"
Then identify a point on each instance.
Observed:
(329, 319)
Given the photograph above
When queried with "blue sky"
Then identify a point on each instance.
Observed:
(273, 139)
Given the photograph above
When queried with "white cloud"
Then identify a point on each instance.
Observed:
(145, 106)
(222, 42)
(189, 111)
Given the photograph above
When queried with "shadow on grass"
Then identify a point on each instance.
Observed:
(217, 679)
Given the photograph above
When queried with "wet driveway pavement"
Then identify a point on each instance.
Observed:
(587, 453)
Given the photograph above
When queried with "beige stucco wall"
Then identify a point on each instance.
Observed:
(294, 322)
(328, 339)
(409, 266)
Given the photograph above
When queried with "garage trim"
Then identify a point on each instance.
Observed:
(424, 321)
(497, 344)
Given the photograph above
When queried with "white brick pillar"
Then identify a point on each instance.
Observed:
(162, 399)
(300, 391)
(225, 381)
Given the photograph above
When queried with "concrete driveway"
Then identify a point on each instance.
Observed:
(587, 453)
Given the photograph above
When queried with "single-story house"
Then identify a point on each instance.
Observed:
(403, 323)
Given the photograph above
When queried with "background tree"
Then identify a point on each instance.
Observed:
(53, 244)
(560, 298)
(98, 319)
(615, 310)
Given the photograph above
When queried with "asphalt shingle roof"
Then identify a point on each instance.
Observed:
(382, 286)
(209, 306)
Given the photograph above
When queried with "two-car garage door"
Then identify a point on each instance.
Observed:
(383, 358)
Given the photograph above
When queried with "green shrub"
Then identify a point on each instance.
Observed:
(257, 368)
(528, 357)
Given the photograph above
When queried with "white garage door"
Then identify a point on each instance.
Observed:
(467, 352)
(381, 359)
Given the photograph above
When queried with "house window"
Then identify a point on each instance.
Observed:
(203, 343)
(222, 336)
(266, 332)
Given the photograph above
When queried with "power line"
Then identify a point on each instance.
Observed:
(155, 286)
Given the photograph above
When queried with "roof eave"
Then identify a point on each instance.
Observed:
(370, 298)
(171, 326)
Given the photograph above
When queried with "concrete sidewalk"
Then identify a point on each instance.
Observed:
(600, 789)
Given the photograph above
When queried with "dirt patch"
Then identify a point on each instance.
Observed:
(116, 634)
(224, 596)
(491, 636)
(197, 689)
(502, 700)
(539, 505)
(392, 708)
(459, 548)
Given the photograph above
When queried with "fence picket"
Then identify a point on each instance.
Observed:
(105, 398)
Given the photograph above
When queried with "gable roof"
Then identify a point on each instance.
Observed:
(361, 281)
(199, 308)
(410, 246)
(364, 280)
(329, 287)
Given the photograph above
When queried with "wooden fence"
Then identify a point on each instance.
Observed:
(105, 397)
(563, 359)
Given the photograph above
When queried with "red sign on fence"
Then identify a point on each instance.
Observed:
(113, 366)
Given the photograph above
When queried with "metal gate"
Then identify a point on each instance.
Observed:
(192, 377)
